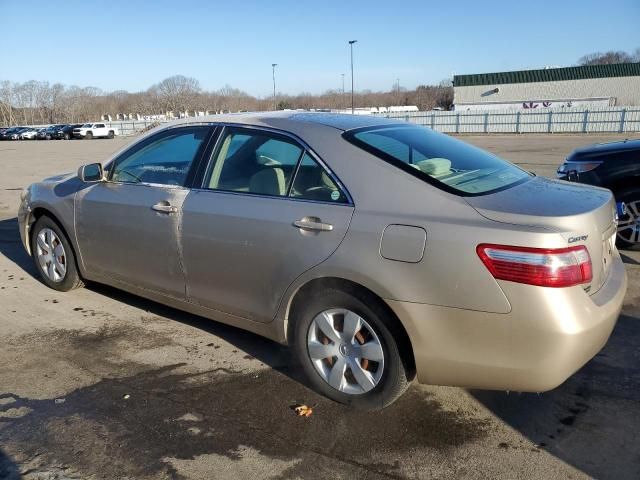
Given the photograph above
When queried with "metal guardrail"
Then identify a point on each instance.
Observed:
(611, 120)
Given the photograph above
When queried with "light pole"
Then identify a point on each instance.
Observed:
(351, 42)
(273, 71)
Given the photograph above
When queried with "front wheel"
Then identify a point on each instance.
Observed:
(347, 352)
(629, 224)
(88, 136)
(53, 256)
(67, 136)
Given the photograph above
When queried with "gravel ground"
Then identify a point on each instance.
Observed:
(97, 383)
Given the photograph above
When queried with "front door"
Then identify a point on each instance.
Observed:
(128, 227)
(267, 213)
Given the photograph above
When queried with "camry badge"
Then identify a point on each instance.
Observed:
(581, 238)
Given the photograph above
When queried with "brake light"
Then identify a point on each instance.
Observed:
(559, 267)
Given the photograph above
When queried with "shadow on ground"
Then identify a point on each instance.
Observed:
(590, 421)
(134, 425)
(8, 469)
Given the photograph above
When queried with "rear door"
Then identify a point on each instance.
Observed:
(268, 211)
(99, 130)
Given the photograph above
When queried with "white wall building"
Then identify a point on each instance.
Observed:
(585, 86)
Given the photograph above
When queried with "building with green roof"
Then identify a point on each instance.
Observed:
(583, 86)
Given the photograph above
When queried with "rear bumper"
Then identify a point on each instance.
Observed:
(548, 335)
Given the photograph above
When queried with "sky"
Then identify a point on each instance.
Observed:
(130, 45)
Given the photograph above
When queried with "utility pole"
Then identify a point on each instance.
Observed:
(273, 71)
(351, 42)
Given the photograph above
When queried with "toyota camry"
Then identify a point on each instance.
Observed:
(378, 250)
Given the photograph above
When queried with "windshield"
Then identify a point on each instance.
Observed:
(447, 163)
(86, 125)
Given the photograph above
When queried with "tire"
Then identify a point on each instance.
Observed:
(89, 136)
(51, 269)
(385, 386)
(110, 134)
(67, 136)
(628, 237)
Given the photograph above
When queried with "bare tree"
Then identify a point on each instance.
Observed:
(176, 93)
(606, 58)
(36, 102)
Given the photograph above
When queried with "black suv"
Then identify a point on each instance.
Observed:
(66, 131)
(615, 166)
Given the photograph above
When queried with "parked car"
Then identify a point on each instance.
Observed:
(44, 133)
(89, 131)
(66, 131)
(616, 166)
(28, 133)
(6, 133)
(375, 248)
(12, 133)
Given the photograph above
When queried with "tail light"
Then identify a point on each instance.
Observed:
(561, 267)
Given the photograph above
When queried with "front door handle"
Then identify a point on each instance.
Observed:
(164, 207)
(313, 224)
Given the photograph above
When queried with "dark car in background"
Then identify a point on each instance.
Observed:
(12, 133)
(48, 133)
(65, 132)
(615, 166)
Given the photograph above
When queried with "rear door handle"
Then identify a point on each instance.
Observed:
(313, 224)
(164, 207)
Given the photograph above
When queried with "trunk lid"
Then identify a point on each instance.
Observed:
(583, 215)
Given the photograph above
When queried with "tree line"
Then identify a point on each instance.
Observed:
(36, 102)
(39, 102)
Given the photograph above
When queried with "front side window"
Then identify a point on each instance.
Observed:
(442, 160)
(254, 162)
(165, 159)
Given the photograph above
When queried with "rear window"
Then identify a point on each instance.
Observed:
(441, 160)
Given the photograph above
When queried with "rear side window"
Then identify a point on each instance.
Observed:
(254, 162)
(447, 163)
(312, 182)
(267, 163)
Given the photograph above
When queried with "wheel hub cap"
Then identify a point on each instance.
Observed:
(345, 351)
(51, 255)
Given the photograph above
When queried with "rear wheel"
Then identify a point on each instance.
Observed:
(88, 136)
(629, 224)
(53, 256)
(67, 136)
(347, 352)
(110, 134)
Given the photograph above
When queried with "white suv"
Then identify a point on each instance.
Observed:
(94, 130)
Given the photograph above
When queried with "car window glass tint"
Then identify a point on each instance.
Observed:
(254, 162)
(312, 182)
(165, 161)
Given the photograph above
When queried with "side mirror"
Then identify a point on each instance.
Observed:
(91, 173)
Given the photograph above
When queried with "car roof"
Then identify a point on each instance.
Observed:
(292, 119)
(607, 148)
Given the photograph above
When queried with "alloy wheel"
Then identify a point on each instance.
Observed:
(345, 351)
(629, 224)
